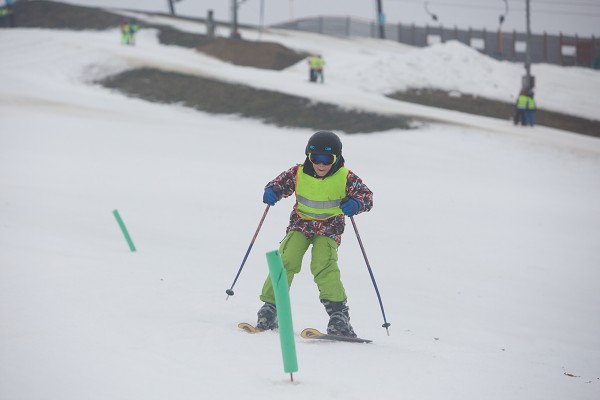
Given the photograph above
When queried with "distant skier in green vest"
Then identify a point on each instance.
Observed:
(312, 65)
(326, 191)
(128, 30)
(521, 107)
(319, 68)
(316, 64)
(125, 32)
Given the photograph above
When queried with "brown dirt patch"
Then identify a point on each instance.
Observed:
(224, 98)
(265, 55)
(51, 15)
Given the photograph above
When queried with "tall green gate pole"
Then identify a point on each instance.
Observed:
(284, 312)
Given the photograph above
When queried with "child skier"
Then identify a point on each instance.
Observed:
(325, 191)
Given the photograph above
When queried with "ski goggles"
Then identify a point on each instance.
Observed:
(325, 159)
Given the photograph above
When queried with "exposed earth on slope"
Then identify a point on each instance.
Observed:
(269, 106)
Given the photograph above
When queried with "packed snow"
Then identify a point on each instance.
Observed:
(483, 238)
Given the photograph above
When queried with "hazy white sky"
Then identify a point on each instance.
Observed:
(552, 16)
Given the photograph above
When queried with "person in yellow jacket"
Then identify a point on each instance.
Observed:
(520, 108)
(326, 192)
(312, 65)
(316, 65)
(128, 30)
(319, 66)
(125, 31)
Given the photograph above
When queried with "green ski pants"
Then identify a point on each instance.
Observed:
(323, 265)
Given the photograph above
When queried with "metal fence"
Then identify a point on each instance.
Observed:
(510, 46)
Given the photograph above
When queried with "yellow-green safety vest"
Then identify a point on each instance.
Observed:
(320, 198)
(522, 101)
(314, 62)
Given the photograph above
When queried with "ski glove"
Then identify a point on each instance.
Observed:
(350, 206)
(270, 196)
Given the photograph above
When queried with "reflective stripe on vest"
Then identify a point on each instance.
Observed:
(320, 198)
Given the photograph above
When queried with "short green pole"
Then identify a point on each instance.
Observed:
(124, 229)
(284, 312)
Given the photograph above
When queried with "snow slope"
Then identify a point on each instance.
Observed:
(483, 239)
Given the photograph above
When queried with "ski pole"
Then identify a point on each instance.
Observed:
(230, 290)
(386, 324)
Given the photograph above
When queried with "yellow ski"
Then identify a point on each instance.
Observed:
(249, 328)
(312, 333)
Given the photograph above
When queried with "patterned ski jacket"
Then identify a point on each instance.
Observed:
(285, 185)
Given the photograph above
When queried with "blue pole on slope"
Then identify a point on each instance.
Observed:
(386, 324)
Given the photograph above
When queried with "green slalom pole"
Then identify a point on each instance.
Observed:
(124, 230)
(284, 312)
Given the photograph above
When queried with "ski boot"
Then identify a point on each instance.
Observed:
(267, 317)
(339, 319)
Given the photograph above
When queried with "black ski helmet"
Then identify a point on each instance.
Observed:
(324, 142)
